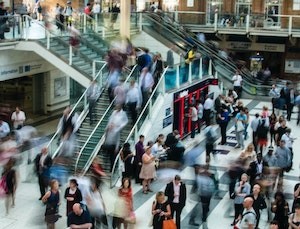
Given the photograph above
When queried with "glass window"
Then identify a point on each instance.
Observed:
(212, 7)
(273, 9)
(296, 5)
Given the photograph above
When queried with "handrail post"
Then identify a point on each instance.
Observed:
(164, 85)
(290, 25)
(177, 76)
(200, 69)
(247, 23)
(96, 23)
(84, 23)
(210, 67)
(216, 75)
(94, 69)
(140, 22)
(48, 39)
(26, 28)
(176, 15)
(150, 109)
(216, 22)
(70, 54)
(190, 72)
(136, 134)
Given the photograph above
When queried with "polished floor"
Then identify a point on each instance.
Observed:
(29, 212)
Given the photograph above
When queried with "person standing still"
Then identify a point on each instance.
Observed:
(176, 193)
(237, 83)
(18, 118)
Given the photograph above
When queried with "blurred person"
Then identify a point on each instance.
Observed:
(52, 201)
(246, 123)
(133, 100)
(148, 169)
(193, 114)
(274, 94)
(248, 215)
(170, 58)
(274, 224)
(242, 189)
(120, 93)
(126, 156)
(74, 40)
(280, 130)
(280, 208)
(139, 152)
(240, 120)
(97, 171)
(38, 10)
(144, 59)
(296, 196)
(207, 106)
(269, 159)
(294, 218)
(255, 169)
(233, 95)
(3, 19)
(146, 83)
(92, 94)
(88, 9)
(72, 195)
(115, 67)
(124, 205)
(248, 155)
(18, 118)
(283, 157)
(117, 121)
(43, 162)
(4, 129)
(68, 12)
(79, 218)
(96, 207)
(272, 120)
(223, 120)
(10, 175)
(160, 210)
(290, 102)
(210, 139)
(157, 68)
(237, 83)
(200, 109)
(259, 202)
(115, 10)
(205, 183)
(189, 57)
(176, 193)
(289, 140)
(157, 149)
(176, 148)
(59, 17)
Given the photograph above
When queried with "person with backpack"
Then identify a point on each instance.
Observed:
(247, 219)
(262, 133)
(68, 13)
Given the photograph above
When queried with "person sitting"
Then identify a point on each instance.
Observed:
(79, 218)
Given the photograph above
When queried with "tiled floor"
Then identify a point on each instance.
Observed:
(29, 212)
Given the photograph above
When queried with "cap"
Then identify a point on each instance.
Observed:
(68, 2)
(271, 148)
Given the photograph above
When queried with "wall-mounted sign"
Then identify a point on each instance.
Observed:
(190, 3)
(167, 121)
(265, 47)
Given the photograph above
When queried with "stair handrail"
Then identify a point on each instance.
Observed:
(101, 141)
(73, 110)
(132, 131)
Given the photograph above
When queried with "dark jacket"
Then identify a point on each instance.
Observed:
(169, 192)
(46, 167)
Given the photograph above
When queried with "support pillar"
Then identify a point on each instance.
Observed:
(125, 18)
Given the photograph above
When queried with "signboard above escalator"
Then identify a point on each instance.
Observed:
(249, 46)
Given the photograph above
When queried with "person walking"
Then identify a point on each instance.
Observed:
(139, 152)
(240, 120)
(52, 201)
(237, 83)
(3, 19)
(207, 106)
(176, 193)
(223, 120)
(92, 96)
(43, 162)
(18, 118)
(248, 217)
(259, 202)
(133, 100)
(160, 210)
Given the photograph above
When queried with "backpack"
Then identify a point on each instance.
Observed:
(262, 130)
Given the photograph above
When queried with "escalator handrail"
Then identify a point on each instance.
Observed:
(210, 52)
(95, 152)
(137, 121)
(73, 110)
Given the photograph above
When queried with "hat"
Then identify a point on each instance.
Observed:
(271, 148)
(68, 2)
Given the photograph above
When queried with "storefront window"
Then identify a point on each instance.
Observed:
(273, 9)
(212, 7)
(296, 4)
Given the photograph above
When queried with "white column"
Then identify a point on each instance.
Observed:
(125, 19)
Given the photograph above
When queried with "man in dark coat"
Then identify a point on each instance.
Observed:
(43, 162)
(176, 193)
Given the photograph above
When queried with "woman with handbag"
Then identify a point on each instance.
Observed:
(52, 201)
(160, 210)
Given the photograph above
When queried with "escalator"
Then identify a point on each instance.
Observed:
(168, 32)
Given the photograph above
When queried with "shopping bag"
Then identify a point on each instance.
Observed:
(3, 187)
(169, 224)
(131, 218)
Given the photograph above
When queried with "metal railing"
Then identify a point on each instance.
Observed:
(82, 105)
(101, 141)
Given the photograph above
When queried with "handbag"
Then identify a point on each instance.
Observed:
(131, 218)
(239, 126)
(3, 186)
(169, 224)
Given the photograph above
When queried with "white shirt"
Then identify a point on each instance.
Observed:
(237, 80)
(200, 111)
(288, 140)
(176, 192)
(194, 114)
(4, 129)
(146, 81)
(96, 8)
(18, 118)
(208, 104)
(134, 95)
